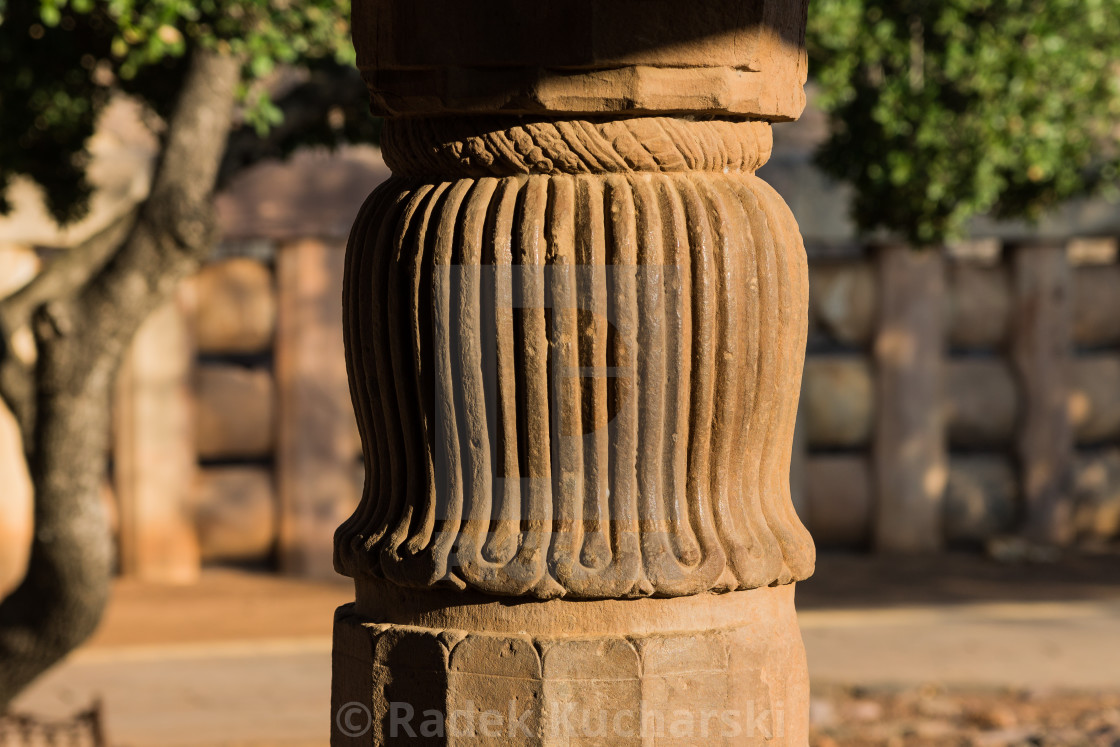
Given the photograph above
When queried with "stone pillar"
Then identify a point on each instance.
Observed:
(575, 322)
(154, 460)
(1041, 352)
(317, 444)
(910, 451)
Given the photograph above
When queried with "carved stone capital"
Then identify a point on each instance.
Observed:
(576, 351)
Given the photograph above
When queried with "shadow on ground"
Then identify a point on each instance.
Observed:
(846, 581)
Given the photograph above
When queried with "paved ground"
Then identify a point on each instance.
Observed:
(244, 659)
(239, 660)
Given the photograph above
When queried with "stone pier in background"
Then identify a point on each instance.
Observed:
(575, 322)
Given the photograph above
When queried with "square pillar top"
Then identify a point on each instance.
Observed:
(583, 57)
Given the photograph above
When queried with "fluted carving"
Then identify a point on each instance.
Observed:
(575, 351)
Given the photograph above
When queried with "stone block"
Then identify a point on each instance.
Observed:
(839, 401)
(438, 57)
(153, 452)
(981, 402)
(909, 445)
(493, 681)
(317, 439)
(1097, 495)
(979, 305)
(1093, 250)
(1096, 306)
(235, 512)
(839, 496)
(597, 680)
(1094, 397)
(981, 498)
(690, 673)
(235, 307)
(1042, 351)
(234, 412)
(314, 192)
(842, 301)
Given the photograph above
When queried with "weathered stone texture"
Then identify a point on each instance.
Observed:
(575, 326)
(740, 681)
(617, 56)
(573, 429)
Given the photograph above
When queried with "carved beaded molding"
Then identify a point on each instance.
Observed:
(575, 352)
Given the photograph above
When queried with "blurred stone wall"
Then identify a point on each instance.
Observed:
(983, 405)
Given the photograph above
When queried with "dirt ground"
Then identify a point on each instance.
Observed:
(942, 650)
(851, 580)
(227, 605)
(935, 717)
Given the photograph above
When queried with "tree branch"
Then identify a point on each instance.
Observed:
(66, 273)
(176, 226)
(59, 279)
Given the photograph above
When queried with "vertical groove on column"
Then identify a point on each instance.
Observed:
(680, 536)
(623, 387)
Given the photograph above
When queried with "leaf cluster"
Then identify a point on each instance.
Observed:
(60, 60)
(944, 109)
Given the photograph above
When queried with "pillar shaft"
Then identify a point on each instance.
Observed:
(575, 322)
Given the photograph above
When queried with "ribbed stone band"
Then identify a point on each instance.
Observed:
(457, 147)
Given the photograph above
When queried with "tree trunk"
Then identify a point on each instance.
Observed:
(60, 601)
(82, 330)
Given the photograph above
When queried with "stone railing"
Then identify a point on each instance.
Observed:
(1020, 340)
(227, 357)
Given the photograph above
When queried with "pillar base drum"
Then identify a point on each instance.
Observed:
(455, 669)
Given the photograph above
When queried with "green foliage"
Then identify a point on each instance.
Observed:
(943, 109)
(60, 60)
